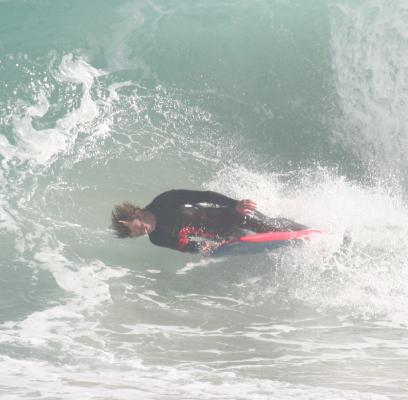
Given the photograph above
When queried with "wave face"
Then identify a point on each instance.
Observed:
(298, 105)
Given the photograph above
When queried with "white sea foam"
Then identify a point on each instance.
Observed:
(40, 147)
(78, 71)
(367, 277)
(198, 264)
(7, 221)
(87, 286)
(47, 380)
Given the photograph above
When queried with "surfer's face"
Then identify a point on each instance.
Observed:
(143, 224)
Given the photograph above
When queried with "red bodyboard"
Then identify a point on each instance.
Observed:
(278, 236)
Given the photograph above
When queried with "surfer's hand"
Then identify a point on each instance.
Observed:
(245, 207)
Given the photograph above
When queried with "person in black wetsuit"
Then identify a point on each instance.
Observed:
(194, 221)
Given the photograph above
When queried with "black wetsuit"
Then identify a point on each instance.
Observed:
(184, 215)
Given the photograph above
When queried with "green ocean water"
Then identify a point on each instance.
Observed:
(299, 105)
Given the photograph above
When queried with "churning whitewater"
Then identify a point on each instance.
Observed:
(300, 106)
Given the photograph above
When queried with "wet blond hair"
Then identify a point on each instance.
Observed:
(123, 212)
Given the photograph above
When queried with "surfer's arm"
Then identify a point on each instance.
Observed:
(196, 196)
(181, 243)
(243, 207)
(175, 198)
(183, 196)
(204, 247)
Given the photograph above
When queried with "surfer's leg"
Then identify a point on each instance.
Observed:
(260, 223)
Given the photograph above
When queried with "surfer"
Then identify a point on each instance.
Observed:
(194, 221)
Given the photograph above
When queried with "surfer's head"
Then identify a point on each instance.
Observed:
(132, 221)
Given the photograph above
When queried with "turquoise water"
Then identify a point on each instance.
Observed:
(298, 105)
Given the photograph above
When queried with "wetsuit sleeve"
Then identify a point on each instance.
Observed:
(184, 246)
(182, 196)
